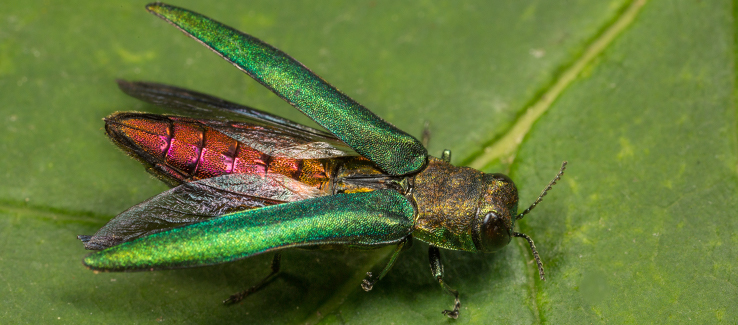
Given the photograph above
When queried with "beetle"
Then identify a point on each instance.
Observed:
(246, 182)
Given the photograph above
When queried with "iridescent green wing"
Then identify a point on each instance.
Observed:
(368, 219)
(393, 150)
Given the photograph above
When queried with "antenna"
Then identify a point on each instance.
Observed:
(520, 216)
(535, 254)
(539, 199)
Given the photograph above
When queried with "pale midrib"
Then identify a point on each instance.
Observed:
(506, 147)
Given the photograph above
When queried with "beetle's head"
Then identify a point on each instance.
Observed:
(496, 213)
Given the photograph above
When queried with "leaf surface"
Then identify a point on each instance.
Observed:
(641, 229)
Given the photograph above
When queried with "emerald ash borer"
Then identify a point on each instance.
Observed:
(245, 182)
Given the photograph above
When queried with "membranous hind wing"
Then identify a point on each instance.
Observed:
(309, 142)
(196, 202)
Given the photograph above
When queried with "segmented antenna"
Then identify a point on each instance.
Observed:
(520, 216)
(540, 197)
(535, 254)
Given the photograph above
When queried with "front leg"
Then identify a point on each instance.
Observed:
(446, 155)
(434, 256)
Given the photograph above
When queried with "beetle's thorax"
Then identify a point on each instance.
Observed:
(447, 198)
(452, 203)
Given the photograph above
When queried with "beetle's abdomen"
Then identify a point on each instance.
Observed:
(180, 149)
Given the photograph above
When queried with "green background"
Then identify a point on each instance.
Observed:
(642, 229)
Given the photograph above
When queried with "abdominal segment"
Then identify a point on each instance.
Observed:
(180, 149)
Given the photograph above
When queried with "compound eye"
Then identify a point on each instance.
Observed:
(494, 232)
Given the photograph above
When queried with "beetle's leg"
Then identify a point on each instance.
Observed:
(437, 269)
(369, 282)
(425, 138)
(276, 263)
(446, 156)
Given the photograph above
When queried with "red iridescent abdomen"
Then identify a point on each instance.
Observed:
(186, 149)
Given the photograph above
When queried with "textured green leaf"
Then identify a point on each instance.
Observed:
(642, 228)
